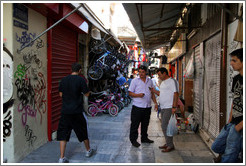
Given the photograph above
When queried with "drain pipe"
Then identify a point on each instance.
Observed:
(223, 65)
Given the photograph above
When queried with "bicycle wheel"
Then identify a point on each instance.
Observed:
(95, 73)
(113, 110)
(96, 47)
(92, 110)
(119, 106)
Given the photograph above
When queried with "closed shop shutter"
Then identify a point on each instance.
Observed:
(212, 85)
(64, 53)
(198, 85)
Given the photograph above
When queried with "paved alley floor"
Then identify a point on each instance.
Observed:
(111, 137)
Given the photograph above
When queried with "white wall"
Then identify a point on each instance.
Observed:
(7, 26)
(29, 115)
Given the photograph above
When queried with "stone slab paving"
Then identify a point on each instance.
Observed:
(111, 137)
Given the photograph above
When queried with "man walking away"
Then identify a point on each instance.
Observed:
(72, 113)
(139, 90)
(230, 140)
(168, 99)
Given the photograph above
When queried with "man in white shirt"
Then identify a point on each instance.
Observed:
(168, 99)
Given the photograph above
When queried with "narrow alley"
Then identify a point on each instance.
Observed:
(110, 135)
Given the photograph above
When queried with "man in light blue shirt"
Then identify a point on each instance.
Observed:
(130, 80)
(139, 90)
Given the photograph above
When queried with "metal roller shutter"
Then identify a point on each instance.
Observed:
(212, 85)
(198, 85)
(64, 53)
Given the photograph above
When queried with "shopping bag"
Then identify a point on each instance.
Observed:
(172, 128)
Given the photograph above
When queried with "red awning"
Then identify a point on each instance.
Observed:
(75, 19)
(62, 9)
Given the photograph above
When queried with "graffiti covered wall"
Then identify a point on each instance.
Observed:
(29, 79)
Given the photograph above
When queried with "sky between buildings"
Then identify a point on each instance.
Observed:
(111, 20)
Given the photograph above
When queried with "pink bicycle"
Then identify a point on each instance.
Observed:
(101, 106)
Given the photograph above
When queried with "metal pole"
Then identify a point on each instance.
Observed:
(19, 50)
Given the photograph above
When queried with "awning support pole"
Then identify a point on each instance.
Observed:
(19, 50)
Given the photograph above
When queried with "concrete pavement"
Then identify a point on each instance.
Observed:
(111, 137)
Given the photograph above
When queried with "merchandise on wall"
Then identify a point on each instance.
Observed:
(189, 69)
(107, 73)
(181, 77)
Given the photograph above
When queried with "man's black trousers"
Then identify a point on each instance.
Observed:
(139, 115)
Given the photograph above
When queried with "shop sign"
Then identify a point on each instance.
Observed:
(20, 12)
(178, 49)
(20, 25)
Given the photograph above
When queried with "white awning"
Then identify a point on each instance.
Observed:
(89, 16)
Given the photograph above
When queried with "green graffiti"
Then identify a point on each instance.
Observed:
(21, 71)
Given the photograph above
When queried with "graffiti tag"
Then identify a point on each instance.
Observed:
(7, 125)
(21, 71)
(32, 56)
(25, 92)
(40, 100)
(30, 137)
(40, 43)
(25, 38)
(27, 110)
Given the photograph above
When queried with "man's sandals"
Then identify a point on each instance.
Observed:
(165, 148)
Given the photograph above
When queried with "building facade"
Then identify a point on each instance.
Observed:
(209, 47)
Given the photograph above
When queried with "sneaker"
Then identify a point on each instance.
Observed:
(63, 160)
(90, 152)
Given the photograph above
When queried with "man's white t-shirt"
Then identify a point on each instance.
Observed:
(167, 89)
